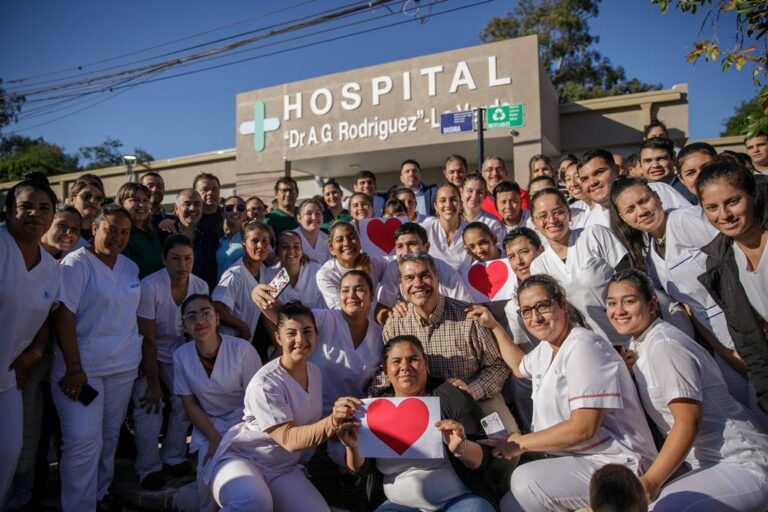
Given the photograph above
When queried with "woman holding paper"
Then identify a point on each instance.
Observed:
(453, 482)
(586, 409)
(258, 463)
(302, 285)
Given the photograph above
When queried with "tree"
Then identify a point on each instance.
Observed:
(10, 106)
(19, 154)
(742, 118)
(751, 45)
(565, 47)
(109, 154)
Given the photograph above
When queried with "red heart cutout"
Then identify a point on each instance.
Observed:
(382, 234)
(488, 279)
(398, 426)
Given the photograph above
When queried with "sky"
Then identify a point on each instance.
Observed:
(196, 113)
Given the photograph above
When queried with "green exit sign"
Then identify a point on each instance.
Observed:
(504, 116)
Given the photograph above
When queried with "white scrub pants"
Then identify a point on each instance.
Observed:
(555, 484)
(238, 485)
(11, 411)
(714, 489)
(149, 458)
(89, 439)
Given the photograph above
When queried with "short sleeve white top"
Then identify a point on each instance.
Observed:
(670, 198)
(157, 304)
(346, 369)
(593, 254)
(586, 372)
(451, 251)
(755, 282)
(234, 291)
(492, 222)
(273, 398)
(320, 252)
(330, 274)
(104, 301)
(670, 366)
(28, 296)
(451, 284)
(305, 291)
(221, 394)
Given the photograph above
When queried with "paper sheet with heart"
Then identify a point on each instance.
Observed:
(377, 236)
(490, 281)
(393, 428)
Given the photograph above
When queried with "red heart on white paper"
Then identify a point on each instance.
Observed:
(488, 279)
(382, 234)
(398, 426)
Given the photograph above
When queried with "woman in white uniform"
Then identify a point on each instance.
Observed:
(685, 395)
(473, 193)
(232, 296)
(210, 375)
(581, 259)
(99, 345)
(445, 230)
(160, 325)
(669, 244)
(314, 242)
(258, 464)
(737, 265)
(31, 271)
(302, 285)
(344, 244)
(586, 410)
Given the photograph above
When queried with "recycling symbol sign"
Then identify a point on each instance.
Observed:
(504, 116)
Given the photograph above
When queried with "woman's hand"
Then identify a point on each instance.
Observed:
(460, 384)
(629, 357)
(651, 488)
(151, 400)
(213, 445)
(481, 316)
(263, 296)
(453, 434)
(501, 448)
(363, 262)
(23, 366)
(167, 225)
(73, 383)
(399, 310)
(347, 435)
(344, 411)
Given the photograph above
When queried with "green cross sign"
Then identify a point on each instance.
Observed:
(504, 116)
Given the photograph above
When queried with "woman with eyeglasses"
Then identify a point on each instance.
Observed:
(314, 243)
(31, 279)
(64, 233)
(144, 247)
(684, 394)
(344, 244)
(161, 328)
(581, 259)
(210, 375)
(231, 244)
(87, 196)
(97, 358)
(586, 410)
(232, 296)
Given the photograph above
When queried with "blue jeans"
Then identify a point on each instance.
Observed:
(463, 503)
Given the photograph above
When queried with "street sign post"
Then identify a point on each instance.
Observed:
(456, 122)
(504, 116)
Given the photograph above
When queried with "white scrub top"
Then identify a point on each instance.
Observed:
(670, 199)
(755, 282)
(221, 394)
(454, 253)
(330, 274)
(234, 291)
(451, 284)
(670, 366)
(104, 302)
(596, 216)
(273, 398)
(157, 304)
(347, 370)
(587, 372)
(305, 291)
(492, 222)
(320, 252)
(27, 298)
(593, 254)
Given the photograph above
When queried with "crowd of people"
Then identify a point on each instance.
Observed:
(629, 370)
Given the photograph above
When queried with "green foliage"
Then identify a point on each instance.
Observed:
(109, 154)
(739, 122)
(19, 154)
(565, 47)
(10, 106)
